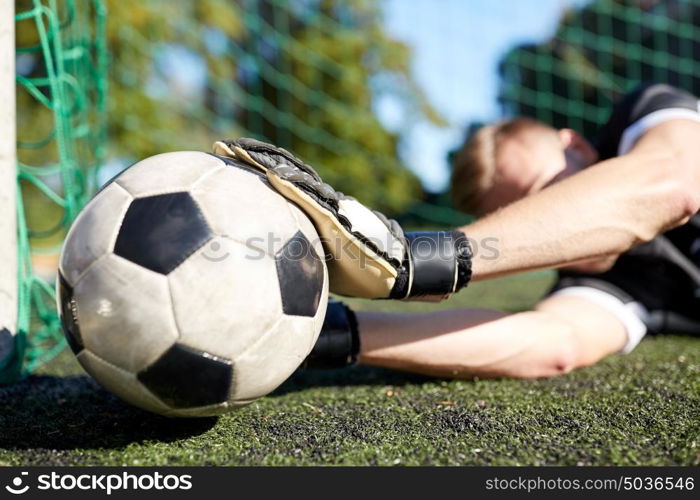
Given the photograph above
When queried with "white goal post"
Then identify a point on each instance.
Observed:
(8, 179)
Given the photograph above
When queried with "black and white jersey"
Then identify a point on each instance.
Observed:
(656, 285)
(648, 105)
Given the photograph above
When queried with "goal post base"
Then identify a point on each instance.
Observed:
(12, 348)
(11, 352)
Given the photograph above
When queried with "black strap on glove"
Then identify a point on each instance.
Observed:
(440, 263)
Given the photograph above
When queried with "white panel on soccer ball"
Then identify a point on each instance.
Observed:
(93, 233)
(235, 205)
(120, 382)
(167, 172)
(125, 313)
(225, 296)
(268, 363)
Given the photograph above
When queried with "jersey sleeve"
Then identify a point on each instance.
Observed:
(648, 105)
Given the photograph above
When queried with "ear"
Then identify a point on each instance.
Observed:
(567, 136)
(570, 139)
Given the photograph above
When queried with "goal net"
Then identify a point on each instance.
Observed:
(55, 52)
(598, 53)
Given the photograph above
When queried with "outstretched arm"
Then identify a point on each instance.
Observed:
(561, 334)
(602, 211)
(597, 213)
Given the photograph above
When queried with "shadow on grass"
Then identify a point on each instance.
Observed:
(354, 376)
(66, 413)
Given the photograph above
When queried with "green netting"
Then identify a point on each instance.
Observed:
(61, 81)
(598, 53)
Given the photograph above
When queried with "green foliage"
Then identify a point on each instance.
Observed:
(600, 52)
(300, 75)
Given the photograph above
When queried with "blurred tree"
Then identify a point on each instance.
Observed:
(303, 75)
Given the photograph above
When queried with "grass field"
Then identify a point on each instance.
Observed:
(639, 409)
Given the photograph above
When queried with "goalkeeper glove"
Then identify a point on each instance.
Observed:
(369, 256)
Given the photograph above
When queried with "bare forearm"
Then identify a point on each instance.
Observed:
(602, 211)
(584, 217)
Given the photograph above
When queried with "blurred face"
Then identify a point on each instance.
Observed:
(532, 160)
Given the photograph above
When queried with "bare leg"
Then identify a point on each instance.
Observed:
(562, 334)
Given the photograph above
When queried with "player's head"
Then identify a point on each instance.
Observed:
(504, 162)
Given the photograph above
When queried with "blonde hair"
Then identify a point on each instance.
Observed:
(474, 167)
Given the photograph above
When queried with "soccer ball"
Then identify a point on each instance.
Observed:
(187, 286)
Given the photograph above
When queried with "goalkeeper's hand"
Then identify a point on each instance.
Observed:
(368, 255)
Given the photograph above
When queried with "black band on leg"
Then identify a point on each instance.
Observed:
(339, 342)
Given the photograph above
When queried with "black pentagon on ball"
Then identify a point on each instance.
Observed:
(69, 315)
(160, 232)
(300, 273)
(184, 377)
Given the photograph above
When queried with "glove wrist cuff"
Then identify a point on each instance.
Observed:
(438, 264)
(464, 253)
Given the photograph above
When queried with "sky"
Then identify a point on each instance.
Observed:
(456, 47)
